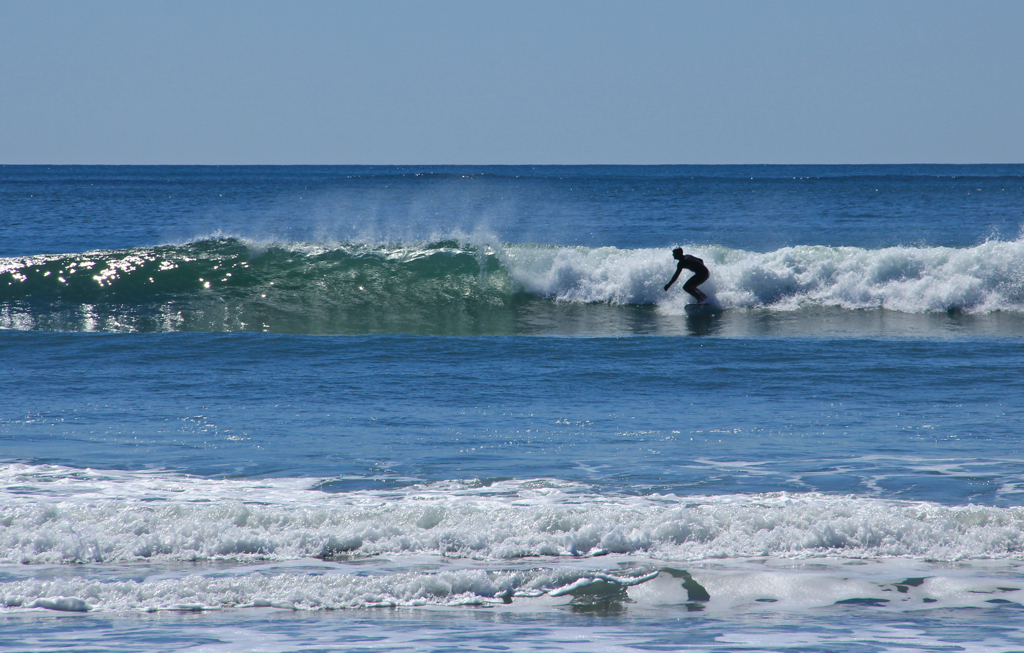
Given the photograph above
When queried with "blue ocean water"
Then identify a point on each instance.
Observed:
(437, 408)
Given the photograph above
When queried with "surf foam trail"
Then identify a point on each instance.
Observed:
(449, 287)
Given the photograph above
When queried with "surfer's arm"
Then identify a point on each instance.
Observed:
(674, 277)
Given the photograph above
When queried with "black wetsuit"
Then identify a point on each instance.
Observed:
(700, 275)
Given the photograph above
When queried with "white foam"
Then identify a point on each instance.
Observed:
(311, 586)
(581, 274)
(979, 279)
(766, 585)
(58, 515)
(542, 543)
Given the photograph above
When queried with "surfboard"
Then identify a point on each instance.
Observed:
(707, 308)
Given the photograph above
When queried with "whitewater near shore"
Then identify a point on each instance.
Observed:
(531, 544)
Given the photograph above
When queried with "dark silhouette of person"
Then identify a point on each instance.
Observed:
(695, 265)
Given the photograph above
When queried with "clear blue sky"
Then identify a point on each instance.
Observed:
(146, 82)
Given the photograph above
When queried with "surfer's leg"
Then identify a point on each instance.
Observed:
(697, 294)
(691, 286)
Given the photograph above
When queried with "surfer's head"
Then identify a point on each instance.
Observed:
(678, 253)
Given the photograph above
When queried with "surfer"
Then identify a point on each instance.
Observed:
(695, 265)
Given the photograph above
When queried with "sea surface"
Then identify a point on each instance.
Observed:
(447, 408)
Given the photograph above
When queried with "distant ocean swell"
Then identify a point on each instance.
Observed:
(449, 286)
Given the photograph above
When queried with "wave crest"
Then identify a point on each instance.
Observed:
(443, 287)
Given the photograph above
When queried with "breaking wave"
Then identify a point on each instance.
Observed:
(452, 287)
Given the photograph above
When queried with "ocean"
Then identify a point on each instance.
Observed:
(365, 408)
